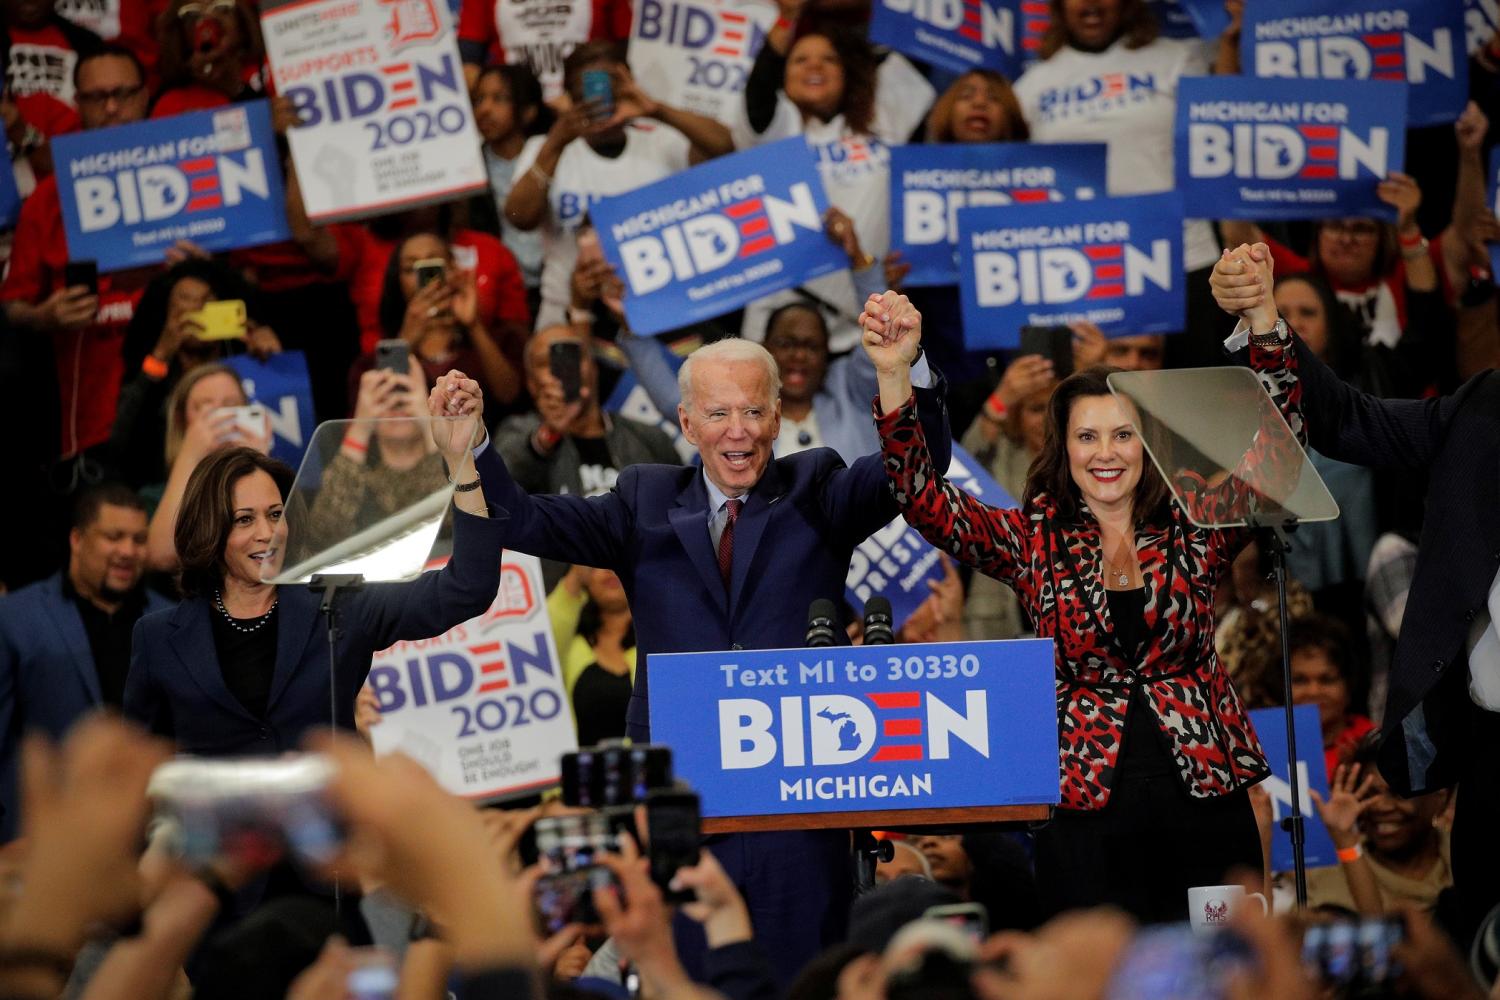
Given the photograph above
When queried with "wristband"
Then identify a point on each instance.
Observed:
(541, 175)
(1412, 241)
(354, 445)
(468, 487)
(546, 438)
(578, 316)
(154, 368)
(994, 408)
(783, 24)
(1349, 855)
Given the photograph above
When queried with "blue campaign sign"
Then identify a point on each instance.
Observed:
(213, 177)
(929, 184)
(281, 384)
(1494, 195)
(1115, 262)
(934, 725)
(1208, 16)
(10, 195)
(1418, 41)
(955, 34)
(708, 240)
(896, 562)
(1270, 726)
(1287, 149)
(1481, 20)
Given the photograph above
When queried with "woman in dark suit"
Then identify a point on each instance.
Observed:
(241, 667)
(1156, 751)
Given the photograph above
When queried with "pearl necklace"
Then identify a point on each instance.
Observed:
(234, 623)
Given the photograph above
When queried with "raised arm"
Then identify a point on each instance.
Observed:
(981, 536)
(1342, 422)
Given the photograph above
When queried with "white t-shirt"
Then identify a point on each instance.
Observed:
(1126, 98)
(856, 172)
(652, 151)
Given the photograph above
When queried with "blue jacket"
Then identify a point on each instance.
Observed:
(792, 544)
(47, 675)
(177, 689)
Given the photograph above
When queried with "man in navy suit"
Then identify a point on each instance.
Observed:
(730, 555)
(65, 641)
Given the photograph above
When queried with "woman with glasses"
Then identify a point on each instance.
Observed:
(211, 55)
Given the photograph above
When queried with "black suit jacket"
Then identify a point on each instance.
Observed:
(1457, 439)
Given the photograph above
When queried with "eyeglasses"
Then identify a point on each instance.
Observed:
(1354, 229)
(98, 98)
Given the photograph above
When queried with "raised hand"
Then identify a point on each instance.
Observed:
(1242, 280)
(456, 395)
(1402, 193)
(1348, 798)
(892, 331)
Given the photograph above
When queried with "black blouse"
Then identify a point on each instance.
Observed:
(247, 660)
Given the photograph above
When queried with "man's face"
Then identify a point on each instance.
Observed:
(732, 419)
(1136, 354)
(108, 556)
(110, 92)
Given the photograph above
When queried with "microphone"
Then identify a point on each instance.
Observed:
(822, 621)
(878, 631)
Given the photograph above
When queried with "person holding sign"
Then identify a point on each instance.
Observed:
(730, 555)
(612, 138)
(1156, 751)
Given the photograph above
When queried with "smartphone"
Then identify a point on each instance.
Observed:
(675, 836)
(1052, 342)
(1355, 954)
(971, 918)
(565, 359)
(599, 93)
(393, 356)
(569, 848)
(1173, 960)
(223, 320)
(429, 270)
(614, 774)
(251, 421)
(81, 272)
(254, 809)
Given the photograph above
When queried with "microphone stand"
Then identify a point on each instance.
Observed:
(330, 586)
(1271, 535)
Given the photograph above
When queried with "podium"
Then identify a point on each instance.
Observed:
(863, 737)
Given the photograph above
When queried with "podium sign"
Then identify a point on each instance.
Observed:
(861, 728)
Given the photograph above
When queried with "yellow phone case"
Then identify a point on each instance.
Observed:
(221, 320)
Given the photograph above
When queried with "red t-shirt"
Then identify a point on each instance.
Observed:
(89, 367)
(188, 97)
(1356, 728)
(541, 34)
(39, 78)
(497, 282)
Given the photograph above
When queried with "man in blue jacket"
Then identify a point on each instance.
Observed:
(730, 555)
(65, 641)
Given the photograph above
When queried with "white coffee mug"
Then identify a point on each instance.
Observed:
(1211, 906)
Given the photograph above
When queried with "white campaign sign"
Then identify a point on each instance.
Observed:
(697, 54)
(385, 116)
(482, 707)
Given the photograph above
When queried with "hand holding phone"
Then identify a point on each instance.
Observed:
(599, 94)
(222, 320)
(565, 361)
(81, 274)
(674, 838)
(1055, 343)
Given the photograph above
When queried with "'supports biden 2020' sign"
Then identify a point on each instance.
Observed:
(843, 729)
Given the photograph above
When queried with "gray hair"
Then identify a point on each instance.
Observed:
(728, 350)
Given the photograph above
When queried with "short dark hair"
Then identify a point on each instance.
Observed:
(109, 50)
(797, 306)
(525, 95)
(1316, 633)
(1137, 26)
(1049, 473)
(86, 508)
(207, 514)
(586, 55)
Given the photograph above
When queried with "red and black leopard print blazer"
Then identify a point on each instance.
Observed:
(1055, 571)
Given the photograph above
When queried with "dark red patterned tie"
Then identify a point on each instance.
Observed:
(726, 540)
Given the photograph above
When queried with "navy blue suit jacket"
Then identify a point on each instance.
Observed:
(1457, 439)
(47, 675)
(792, 544)
(176, 687)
